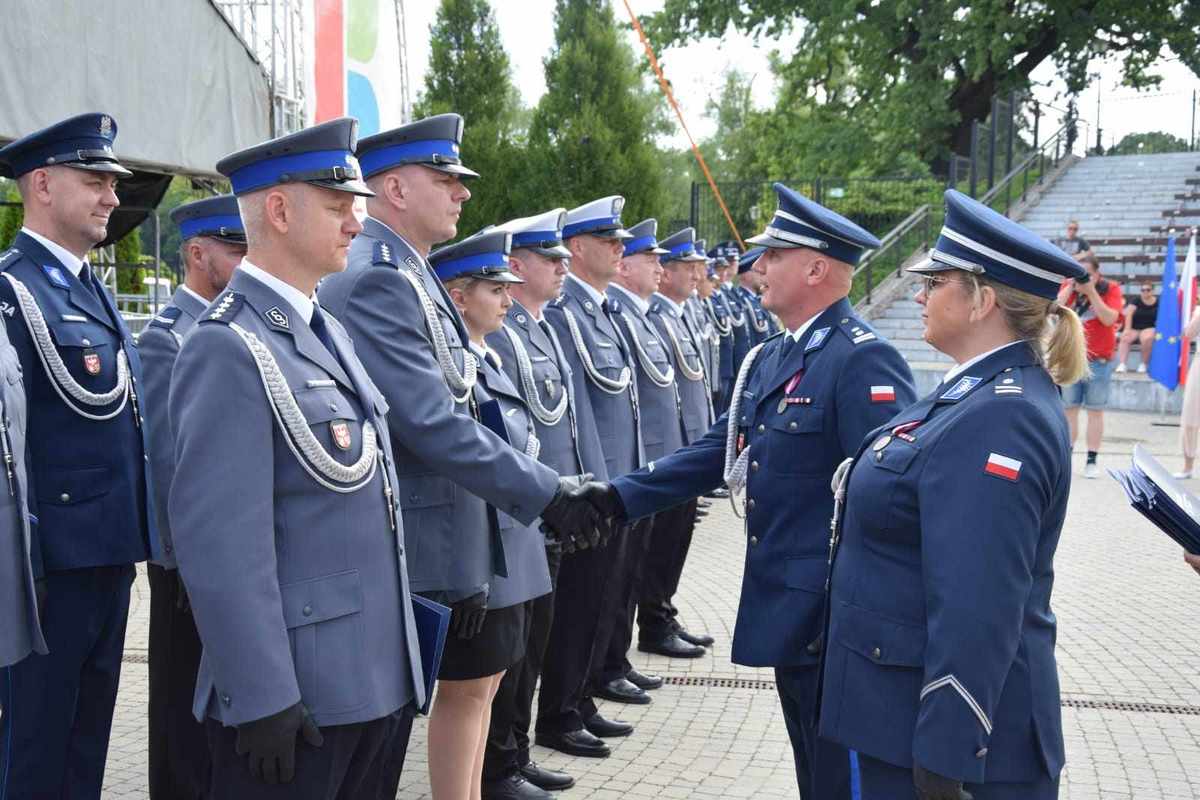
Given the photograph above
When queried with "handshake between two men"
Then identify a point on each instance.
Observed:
(583, 513)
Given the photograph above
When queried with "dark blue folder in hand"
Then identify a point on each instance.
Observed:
(1160, 498)
(433, 620)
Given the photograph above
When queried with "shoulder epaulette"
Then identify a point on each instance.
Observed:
(165, 318)
(225, 307)
(1008, 383)
(856, 330)
(774, 335)
(384, 254)
(7, 256)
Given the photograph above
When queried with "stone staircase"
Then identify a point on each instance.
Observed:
(1125, 206)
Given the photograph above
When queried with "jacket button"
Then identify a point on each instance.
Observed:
(226, 699)
(750, 504)
(791, 426)
(414, 498)
(333, 406)
(982, 752)
(762, 428)
(754, 466)
(86, 342)
(753, 540)
(306, 611)
(169, 549)
(876, 654)
(813, 647)
(66, 498)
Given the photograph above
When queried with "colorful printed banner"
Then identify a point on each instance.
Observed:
(356, 67)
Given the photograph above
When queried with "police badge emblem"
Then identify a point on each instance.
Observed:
(105, 126)
(340, 429)
(550, 389)
(91, 362)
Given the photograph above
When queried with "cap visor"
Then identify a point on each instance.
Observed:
(497, 277)
(695, 258)
(453, 169)
(353, 186)
(614, 233)
(658, 251)
(927, 264)
(229, 238)
(551, 252)
(111, 167)
(767, 240)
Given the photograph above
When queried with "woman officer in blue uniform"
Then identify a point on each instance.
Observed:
(939, 671)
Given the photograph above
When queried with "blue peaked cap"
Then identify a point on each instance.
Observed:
(800, 222)
(541, 233)
(977, 239)
(681, 246)
(83, 142)
(746, 262)
(217, 217)
(644, 239)
(481, 255)
(322, 155)
(726, 251)
(432, 142)
(598, 218)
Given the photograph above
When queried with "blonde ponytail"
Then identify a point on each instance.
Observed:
(1057, 328)
(1066, 348)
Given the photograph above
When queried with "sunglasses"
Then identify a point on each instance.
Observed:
(931, 282)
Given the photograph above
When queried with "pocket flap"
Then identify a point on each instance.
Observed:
(607, 357)
(807, 573)
(64, 487)
(325, 404)
(423, 491)
(882, 640)
(73, 334)
(896, 456)
(320, 599)
(799, 418)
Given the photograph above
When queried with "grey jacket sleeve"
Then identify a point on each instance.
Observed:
(389, 332)
(223, 515)
(158, 350)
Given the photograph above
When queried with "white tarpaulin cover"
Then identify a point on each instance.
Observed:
(180, 84)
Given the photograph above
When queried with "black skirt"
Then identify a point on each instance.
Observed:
(499, 645)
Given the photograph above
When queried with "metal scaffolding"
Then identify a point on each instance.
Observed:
(273, 33)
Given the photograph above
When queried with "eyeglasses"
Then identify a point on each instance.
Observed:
(931, 282)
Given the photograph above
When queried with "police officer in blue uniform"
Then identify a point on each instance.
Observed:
(940, 673)
(727, 257)
(563, 624)
(414, 344)
(716, 308)
(282, 505)
(602, 361)
(87, 458)
(213, 243)
(804, 401)
(701, 327)
(759, 322)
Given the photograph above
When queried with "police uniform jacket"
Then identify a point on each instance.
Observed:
(524, 545)
(740, 320)
(658, 406)
(696, 319)
(695, 396)
(717, 310)
(297, 580)
(572, 445)
(796, 439)
(449, 466)
(616, 414)
(20, 626)
(941, 637)
(159, 344)
(88, 478)
(758, 321)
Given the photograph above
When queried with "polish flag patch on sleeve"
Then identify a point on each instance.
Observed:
(1002, 467)
(883, 394)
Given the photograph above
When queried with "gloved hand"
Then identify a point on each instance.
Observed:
(466, 615)
(270, 743)
(40, 593)
(612, 508)
(931, 786)
(181, 596)
(572, 516)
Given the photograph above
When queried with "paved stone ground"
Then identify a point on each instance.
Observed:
(1126, 605)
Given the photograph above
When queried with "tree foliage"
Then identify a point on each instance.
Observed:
(915, 75)
(1147, 143)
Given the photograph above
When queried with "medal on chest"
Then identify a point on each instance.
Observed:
(339, 429)
(549, 384)
(788, 399)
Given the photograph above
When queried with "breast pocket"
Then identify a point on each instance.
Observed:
(334, 419)
(607, 359)
(324, 620)
(548, 381)
(88, 352)
(794, 445)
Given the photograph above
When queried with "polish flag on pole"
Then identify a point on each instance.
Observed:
(1187, 297)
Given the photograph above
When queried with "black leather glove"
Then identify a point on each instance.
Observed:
(611, 507)
(40, 593)
(270, 743)
(931, 786)
(572, 517)
(466, 615)
(181, 596)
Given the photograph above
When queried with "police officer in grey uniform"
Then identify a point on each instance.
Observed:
(213, 242)
(282, 508)
(662, 433)
(602, 361)
(563, 623)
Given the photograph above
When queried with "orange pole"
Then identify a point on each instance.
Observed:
(666, 87)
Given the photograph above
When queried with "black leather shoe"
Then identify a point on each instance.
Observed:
(622, 691)
(720, 493)
(514, 787)
(574, 743)
(606, 728)
(672, 647)
(546, 779)
(701, 513)
(703, 640)
(646, 683)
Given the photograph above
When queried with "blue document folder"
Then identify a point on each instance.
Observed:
(433, 620)
(1161, 498)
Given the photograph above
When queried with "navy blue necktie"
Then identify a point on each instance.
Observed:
(322, 330)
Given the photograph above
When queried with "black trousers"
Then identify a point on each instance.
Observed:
(615, 663)
(58, 708)
(822, 767)
(670, 541)
(352, 764)
(579, 623)
(507, 747)
(180, 766)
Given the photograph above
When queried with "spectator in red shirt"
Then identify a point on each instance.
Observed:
(1098, 303)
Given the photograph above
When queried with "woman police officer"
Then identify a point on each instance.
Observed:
(939, 670)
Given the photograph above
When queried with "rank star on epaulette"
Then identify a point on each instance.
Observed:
(8, 254)
(226, 307)
(383, 254)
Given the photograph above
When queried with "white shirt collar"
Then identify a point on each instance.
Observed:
(66, 257)
(728, 284)
(796, 334)
(295, 298)
(195, 295)
(959, 369)
(595, 294)
(483, 351)
(638, 302)
(676, 308)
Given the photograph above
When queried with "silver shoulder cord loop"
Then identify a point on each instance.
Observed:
(734, 319)
(761, 327)
(56, 370)
(548, 417)
(722, 330)
(602, 383)
(735, 463)
(687, 372)
(178, 338)
(463, 382)
(311, 454)
(659, 379)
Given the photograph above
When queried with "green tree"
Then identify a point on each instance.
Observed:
(1147, 143)
(592, 133)
(470, 74)
(11, 216)
(915, 75)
